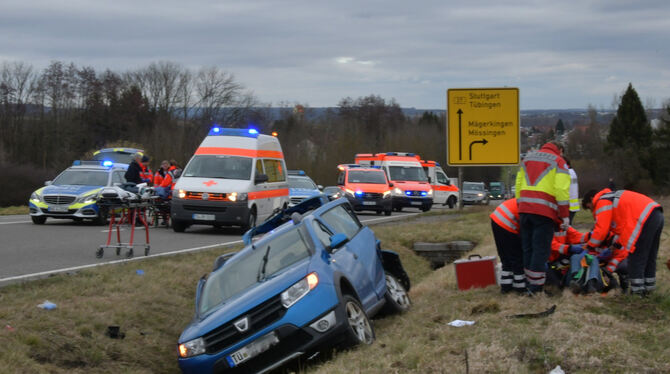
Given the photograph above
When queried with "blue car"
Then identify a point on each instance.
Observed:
(311, 282)
(301, 187)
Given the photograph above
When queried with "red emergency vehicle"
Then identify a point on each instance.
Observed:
(410, 184)
(366, 188)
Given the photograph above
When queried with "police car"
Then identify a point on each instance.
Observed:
(116, 155)
(301, 187)
(74, 192)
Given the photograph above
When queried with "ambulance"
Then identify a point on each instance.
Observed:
(366, 188)
(444, 192)
(237, 177)
(410, 184)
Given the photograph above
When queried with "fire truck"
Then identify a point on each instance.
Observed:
(444, 192)
(405, 173)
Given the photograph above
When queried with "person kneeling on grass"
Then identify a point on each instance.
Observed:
(559, 259)
(505, 226)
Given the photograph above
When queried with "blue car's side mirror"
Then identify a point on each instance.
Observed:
(337, 240)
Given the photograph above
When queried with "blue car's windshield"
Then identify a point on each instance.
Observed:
(241, 272)
(82, 177)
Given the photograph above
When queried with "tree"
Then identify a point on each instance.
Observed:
(560, 128)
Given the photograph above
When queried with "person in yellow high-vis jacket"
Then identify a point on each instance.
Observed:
(543, 194)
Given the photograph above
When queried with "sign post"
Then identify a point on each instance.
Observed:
(482, 128)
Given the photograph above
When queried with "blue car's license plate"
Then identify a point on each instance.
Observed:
(252, 349)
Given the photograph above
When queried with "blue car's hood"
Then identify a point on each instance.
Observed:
(241, 303)
(68, 189)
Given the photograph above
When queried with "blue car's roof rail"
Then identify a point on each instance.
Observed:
(284, 216)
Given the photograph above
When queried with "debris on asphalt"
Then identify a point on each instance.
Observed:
(48, 305)
(460, 323)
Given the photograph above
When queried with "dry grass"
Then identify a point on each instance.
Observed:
(10, 210)
(586, 334)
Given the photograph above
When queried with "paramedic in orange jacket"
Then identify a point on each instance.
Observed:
(564, 244)
(543, 194)
(637, 221)
(505, 226)
(146, 174)
(168, 181)
(161, 173)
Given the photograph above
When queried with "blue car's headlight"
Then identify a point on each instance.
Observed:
(299, 290)
(192, 348)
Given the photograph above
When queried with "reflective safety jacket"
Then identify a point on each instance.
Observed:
(158, 177)
(574, 191)
(543, 184)
(560, 244)
(506, 216)
(623, 213)
(169, 179)
(146, 174)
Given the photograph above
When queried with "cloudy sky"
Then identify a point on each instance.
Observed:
(560, 54)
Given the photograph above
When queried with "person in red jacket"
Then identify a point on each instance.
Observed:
(505, 226)
(169, 180)
(637, 221)
(161, 173)
(543, 194)
(146, 174)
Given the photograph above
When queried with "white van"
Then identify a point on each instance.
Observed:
(237, 177)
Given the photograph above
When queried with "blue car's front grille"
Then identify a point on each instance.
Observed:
(259, 317)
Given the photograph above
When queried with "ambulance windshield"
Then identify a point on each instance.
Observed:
(219, 166)
(407, 173)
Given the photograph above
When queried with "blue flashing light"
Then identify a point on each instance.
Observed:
(408, 193)
(223, 131)
(76, 162)
(437, 164)
(107, 163)
(375, 166)
(424, 193)
(391, 153)
(359, 193)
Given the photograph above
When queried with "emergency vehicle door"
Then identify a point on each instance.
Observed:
(260, 196)
(276, 173)
(440, 191)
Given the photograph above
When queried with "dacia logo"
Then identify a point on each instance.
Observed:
(242, 324)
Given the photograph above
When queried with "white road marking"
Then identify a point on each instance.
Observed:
(11, 223)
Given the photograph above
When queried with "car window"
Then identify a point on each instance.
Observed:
(118, 177)
(340, 178)
(366, 176)
(301, 182)
(442, 178)
(341, 221)
(274, 170)
(259, 166)
(219, 166)
(321, 232)
(82, 178)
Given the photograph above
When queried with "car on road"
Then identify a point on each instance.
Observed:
(497, 191)
(73, 193)
(117, 155)
(366, 188)
(301, 187)
(312, 282)
(475, 193)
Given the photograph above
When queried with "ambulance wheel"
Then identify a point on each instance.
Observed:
(387, 212)
(398, 209)
(379, 212)
(451, 202)
(425, 209)
(178, 226)
(38, 220)
(99, 252)
(130, 253)
(397, 299)
(251, 221)
(118, 251)
(146, 250)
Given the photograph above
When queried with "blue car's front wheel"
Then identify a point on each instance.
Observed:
(397, 299)
(360, 329)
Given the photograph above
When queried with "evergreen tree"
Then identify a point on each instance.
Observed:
(630, 126)
(560, 128)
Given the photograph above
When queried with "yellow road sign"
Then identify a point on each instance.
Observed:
(482, 126)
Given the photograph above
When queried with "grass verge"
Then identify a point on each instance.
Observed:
(10, 210)
(586, 334)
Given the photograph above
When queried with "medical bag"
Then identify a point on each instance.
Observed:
(475, 272)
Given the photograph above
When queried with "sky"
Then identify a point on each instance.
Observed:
(560, 54)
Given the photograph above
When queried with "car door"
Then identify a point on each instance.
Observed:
(261, 201)
(442, 192)
(366, 266)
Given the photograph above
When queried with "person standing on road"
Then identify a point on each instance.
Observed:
(543, 194)
(637, 221)
(134, 172)
(574, 191)
(505, 226)
(146, 174)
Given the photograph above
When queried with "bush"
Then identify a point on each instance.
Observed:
(19, 181)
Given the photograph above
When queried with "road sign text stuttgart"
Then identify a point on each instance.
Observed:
(482, 126)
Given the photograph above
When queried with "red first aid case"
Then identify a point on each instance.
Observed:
(475, 272)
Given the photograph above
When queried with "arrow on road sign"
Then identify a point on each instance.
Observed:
(460, 140)
(483, 141)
